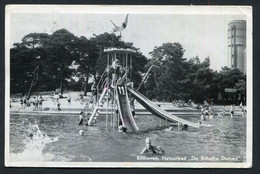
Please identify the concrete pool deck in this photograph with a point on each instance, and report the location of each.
(76, 106)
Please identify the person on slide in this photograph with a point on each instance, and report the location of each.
(149, 149)
(116, 68)
(122, 128)
(120, 86)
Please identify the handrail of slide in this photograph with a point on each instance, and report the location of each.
(129, 116)
(97, 106)
(145, 76)
(159, 112)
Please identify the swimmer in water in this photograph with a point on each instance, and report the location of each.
(81, 132)
(31, 135)
(170, 128)
(122, 128)
(149, 149)
(205, 125)
(81, 118)
(232, 111)
(184, 127)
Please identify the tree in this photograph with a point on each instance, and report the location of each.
(55, 59)
(170, 83)
(22, 66)
(85, 54)
(201, 78)
(241, 86)
(230, 78)
(25, 61)
(178, 78)
(60, 55)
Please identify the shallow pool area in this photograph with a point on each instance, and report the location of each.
(56, 138)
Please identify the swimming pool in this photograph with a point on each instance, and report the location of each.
(56, 138)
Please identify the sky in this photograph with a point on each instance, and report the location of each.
(200, 35)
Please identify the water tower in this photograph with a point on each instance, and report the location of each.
(237, 45)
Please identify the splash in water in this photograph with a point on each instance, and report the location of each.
(35, 141)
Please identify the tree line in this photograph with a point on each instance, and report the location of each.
(61, 60)
(176, 78)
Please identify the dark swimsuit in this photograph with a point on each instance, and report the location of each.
(151, 151)
(117, 70)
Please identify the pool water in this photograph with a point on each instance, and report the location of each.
(56, 138)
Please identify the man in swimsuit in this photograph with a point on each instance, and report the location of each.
(149, 149)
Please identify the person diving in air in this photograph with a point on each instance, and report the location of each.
(122, 27)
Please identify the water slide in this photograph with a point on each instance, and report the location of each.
(125, 111)
(157, 111)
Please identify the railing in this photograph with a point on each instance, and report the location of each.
(145, 76)
(100, 82)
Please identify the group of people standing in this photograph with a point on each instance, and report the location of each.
(23, 102)
(36, 102)
(207, 111)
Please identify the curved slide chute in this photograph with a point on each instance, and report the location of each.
(125, 112)
(157, 111)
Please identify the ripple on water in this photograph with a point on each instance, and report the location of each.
(226, 137)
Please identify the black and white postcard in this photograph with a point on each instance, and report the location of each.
(128, 86)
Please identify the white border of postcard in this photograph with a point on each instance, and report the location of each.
(114, 9)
